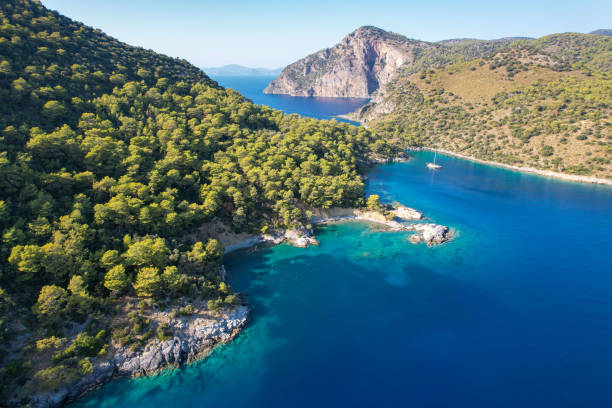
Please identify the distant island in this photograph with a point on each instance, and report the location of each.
(603, 31)
(240, 70)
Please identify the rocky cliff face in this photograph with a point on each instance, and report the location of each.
(358, 66)
(193, 336)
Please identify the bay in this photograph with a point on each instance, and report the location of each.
(515, 311)
(313, 107)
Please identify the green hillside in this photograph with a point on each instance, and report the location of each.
(110, 156)
(545, 103)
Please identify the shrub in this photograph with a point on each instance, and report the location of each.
(52, 377)
(147, 335)
(49, 342)
(232, 300)
(164, 332)
(547, 151)
(373, 202)
(136, 345)
(186, 311)
(224, 288)
(215, 305)
(85, 366)
(83, 345)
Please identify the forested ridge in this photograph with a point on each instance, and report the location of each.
(110, 155)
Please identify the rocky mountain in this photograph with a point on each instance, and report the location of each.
(360, 64)
(240, 70)
(368, 58)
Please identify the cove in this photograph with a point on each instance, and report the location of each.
(516, 311)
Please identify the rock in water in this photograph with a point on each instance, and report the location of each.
(407, 213)
(433, 234)
(301, 238)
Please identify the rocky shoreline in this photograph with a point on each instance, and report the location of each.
(193, 338)
(301, 237)
(428, 233)
(523, 169)
(384, 160)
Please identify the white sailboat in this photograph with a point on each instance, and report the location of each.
(433, 165)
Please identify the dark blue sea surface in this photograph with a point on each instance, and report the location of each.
(516, 311)
(314, 107)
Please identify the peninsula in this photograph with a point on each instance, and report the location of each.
(539, 105)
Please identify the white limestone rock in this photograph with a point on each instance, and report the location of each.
(193, 336)
(433, 234)
(406, 213)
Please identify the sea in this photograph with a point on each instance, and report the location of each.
(314, 107)
(515, 311)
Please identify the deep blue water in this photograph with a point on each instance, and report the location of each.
(515, 311)
(315, 107)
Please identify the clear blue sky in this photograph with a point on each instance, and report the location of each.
(275, 33)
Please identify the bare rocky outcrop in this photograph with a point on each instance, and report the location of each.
(394, 219)
(301, 237)
(381, 103)
(428, 233)
(374, 158)
(358, 66)
(193, 337)
(367, 59)
(406, 213)
(431, 234)
(232, 241)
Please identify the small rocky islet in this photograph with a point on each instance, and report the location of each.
(392, 217)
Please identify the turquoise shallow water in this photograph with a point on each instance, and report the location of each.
(516, 311)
